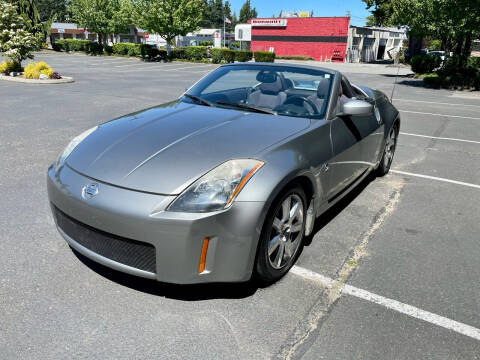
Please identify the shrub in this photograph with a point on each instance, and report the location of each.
(178, 53)
(70, 45)
(222, 55)
(229, 55)
(56, 46)
(243, 55)
(294, 57)
(94, 49)
(108, 49)
(216, 55)
(55, 75)
(10, 66)
(196, 52)
(33, 70)
(474, 61)
(127, 49)
(206, 43)
(149, 53)
(424, 64)
(433, 80)
(264, 56)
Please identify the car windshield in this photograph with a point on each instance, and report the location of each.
(277, 90)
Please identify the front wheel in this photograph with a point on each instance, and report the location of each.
(389, 152)
(282, 236)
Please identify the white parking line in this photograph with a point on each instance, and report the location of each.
(391, 304)
(432, 114)
(440, 138)
(435, 178)
(435, 103)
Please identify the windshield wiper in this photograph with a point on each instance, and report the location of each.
(246, 107)
(198, 99)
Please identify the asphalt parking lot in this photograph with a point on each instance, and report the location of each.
(392, 272)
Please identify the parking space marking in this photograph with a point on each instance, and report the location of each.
(435, 178)
(435, 103)
(440, 138)
(388, 303)
(432, 114)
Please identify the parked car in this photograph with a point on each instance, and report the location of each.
(438, 53)
(226, 182)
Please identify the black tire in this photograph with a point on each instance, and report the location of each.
(388, 152)
(264, 271)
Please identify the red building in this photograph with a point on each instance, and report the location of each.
(322, 38)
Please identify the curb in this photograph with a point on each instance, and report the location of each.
(63, 80)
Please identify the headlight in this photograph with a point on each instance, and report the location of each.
(217, 189)
(72, 145)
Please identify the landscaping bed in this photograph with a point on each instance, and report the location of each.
(146, 52)
(34, 73)
(456, 72)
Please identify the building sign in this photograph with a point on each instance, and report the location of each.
(304, 14)
(61, 31)
(269, 22)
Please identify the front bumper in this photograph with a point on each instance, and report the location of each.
(140, 218)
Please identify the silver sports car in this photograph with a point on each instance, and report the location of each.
(226, 182)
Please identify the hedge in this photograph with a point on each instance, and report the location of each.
(195, 52)
(94, 49)
(264, 56)
(70, 45)
(222, 55)
(243, 55)
(294, 57)
(127, 49)
(424, 64)
(178, 53)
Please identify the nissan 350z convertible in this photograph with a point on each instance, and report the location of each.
(225, 183)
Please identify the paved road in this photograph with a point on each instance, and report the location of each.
(406, 238)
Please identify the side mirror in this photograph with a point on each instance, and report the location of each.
(356, 107)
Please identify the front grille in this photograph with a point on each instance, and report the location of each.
(133, 253)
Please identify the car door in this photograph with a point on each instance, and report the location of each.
(372, 128)
(351, 153)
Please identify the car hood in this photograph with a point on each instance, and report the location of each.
(163, 149)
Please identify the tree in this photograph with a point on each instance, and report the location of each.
(52, 9)
(169, 18)
(382, 12)
(102, 16)
(17, 43)
(455, 22)
(247, 12)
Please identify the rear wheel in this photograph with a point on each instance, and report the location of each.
(282, 235)
(389, 152)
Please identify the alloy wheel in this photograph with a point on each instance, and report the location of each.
(390, 147)
(287, 232)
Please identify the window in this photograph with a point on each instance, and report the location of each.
(281, 90)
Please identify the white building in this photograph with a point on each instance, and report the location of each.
(195, 38)
(370, 43)
(243, 35)
(72, 31)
